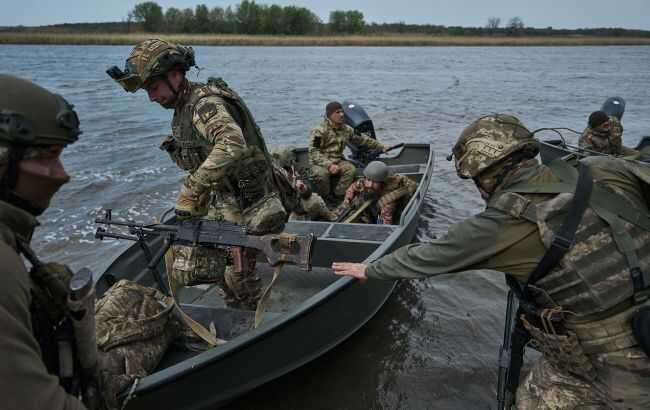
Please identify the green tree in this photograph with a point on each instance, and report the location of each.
(354, 21)
(299, 20)
(337, 21)
(201, 19)
(249, 17)
(150, 15)
(274, 22)
(187, 20)
(173, 20)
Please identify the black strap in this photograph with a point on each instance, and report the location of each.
(565, 236)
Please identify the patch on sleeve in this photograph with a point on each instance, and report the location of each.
(317, 141)
(207, 110)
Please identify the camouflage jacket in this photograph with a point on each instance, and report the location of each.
(207, 142)
(607, 141)
(493, 239)
(396, 192)
(26, 381)
(327, 142)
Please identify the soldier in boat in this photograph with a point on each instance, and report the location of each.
(216, 140)
(604, 134)
(311, 206)
(378, 197)
(332, 174)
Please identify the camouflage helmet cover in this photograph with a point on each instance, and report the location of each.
(489, 140)
(376, 171)
(32, 116)
(285, 156)
(149, 59)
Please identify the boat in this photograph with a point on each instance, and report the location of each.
(550, 150)
(308, 313)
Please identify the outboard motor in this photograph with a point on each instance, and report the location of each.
(357, 118)
(614, 107)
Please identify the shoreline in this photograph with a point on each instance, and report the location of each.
(388, 40)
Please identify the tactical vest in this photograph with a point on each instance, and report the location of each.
(604, 276)
(397, 187)
(251, 178)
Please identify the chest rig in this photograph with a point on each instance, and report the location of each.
(581, 299)
(249, 178)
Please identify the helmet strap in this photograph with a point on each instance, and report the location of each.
(10, 179)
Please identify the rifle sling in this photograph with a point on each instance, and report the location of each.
(565, 236)
(261, 305)
(196, 327)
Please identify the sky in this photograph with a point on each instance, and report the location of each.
(631, 14)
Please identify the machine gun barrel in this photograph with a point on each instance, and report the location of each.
(277, 248)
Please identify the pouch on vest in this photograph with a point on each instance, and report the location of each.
(135, 327)
(265, 216)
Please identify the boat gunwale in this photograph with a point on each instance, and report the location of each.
(204, 359)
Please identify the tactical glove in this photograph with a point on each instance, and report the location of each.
(187, 202)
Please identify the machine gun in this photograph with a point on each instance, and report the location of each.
(280, 248)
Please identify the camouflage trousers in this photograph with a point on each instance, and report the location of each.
(239, 289)
(313, 208)
(622, 382)
(323, 179)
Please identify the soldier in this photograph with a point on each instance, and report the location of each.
(215, 139)
(311, 206)
(387, 193)
(604, 134)
(35, 126)
(578, 310)
(326, 144)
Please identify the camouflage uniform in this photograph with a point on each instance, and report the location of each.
(394, 195)
(326, 145)
(216, 140)
(595, 363)
(606, 141)
(209, 144)
(309, 206)
(33, 304)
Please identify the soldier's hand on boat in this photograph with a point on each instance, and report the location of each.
(333, 169)
(356, 270)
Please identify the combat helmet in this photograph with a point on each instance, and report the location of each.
(32, 116)
(376, 171)
(150, 59)
(285, 156)
(488, 141)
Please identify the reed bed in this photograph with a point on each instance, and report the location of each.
(263, 40)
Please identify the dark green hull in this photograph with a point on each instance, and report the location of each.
(309, 313)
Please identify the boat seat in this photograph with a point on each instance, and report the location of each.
(341, 231)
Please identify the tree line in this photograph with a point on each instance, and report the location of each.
(249, 17)
(246, 17)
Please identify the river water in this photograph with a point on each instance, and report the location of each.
(434, 344)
